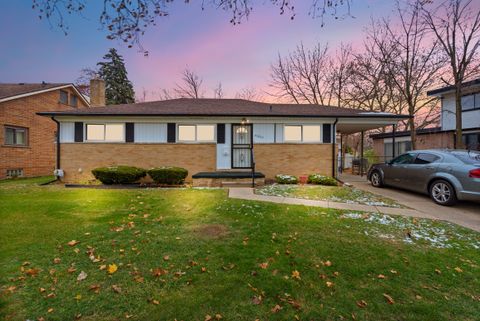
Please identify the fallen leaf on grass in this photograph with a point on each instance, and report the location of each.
(57, 260)
(276, 308)
(381, 276)
(329, 284)
(393, 272)
(218, 316)
(73, 242)
(204, 269)
(82, 276)
(32, 272)
(296, 275)
(166, 258)
(95, 288)
(112, 268)
(438, 271)
(418, 297)
(459, 270)
(50, 310)
(263, 265)
(156, 302)
(328, 263)
(388, 298)
(208, 317)
(116, 288)
(71, 269)
(78, 297)
(257, 300)
(11, 289)
(362, 303)
(159, 272)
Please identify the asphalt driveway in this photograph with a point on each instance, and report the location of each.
(466, 214)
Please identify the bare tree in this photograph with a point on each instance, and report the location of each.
(127, 20)
(412, 60)
(83, 81)
(249, 93)
(218, 91)
(341, 72)
(191, 86)
(302, 76)
(456, 26)
(370, 85)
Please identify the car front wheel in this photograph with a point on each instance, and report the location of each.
(443, 193)
(376, 179)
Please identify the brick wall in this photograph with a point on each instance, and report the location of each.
(426, 141)
(293, 159)
(78, 159)
(38, 158)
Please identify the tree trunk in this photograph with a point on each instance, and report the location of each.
(458, 117)
(413, 134)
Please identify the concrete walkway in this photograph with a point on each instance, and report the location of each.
(248, 194)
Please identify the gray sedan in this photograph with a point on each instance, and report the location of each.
(446, 175)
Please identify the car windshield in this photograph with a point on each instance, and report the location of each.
(470, 157)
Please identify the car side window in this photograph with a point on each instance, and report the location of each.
(404, 159)
(424, 158)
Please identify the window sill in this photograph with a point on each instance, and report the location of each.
(16, 146)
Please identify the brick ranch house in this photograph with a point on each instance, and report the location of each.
(211, 138)
(27, 145)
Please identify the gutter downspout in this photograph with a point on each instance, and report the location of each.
(334, 138)
(57, 165)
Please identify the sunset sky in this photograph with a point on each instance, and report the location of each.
(239, 56)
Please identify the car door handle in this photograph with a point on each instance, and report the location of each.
(429, 167)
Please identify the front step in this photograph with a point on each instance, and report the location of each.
(238, 184)
(227, 179)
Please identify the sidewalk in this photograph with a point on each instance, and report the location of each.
(248, 194)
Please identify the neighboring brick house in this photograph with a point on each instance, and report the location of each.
(443, 136)
(27, 145)
(211, 138)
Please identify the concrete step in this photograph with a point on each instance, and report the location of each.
(237, 184)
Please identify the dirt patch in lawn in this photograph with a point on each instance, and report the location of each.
(211, 231)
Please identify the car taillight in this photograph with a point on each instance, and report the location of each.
(475, 173)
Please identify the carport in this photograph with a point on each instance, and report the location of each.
(367, 121)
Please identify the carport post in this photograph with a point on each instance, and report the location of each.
(361, 154)
(341, 153)
(394, 131)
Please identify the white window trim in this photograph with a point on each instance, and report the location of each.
(196, 141)
(104, 133)
(320, 141)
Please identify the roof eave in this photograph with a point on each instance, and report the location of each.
(90, 114)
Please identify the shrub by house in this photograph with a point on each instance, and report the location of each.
(119, 174)
(168, 175)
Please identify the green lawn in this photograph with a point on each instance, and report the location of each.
(345, 194)
(185, 254)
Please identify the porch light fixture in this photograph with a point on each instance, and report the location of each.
(244, 121)
(241, 130)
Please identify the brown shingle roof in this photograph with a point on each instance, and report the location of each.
(11, 90)
(218, 107)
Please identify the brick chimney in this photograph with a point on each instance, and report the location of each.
(97, 92)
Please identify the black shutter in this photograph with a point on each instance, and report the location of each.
(327, 133)
(220, 133)
(171, 135)
(78, 132)
(129, 132)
